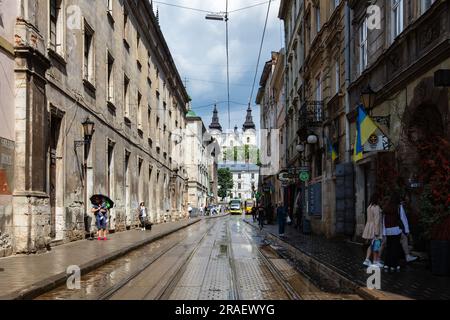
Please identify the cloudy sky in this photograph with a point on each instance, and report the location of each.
(198, 48)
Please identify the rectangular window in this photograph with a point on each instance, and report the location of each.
(149, 121)
(319, 88)
(426, 4)
(363, 46)
(318, 22)
(125, 29)
(110, 8)
(335, 3)
(397, 18)
(126, 96)
(88, 53)
(139, 112)
(337, 72)
(110, 78)
(56, 27)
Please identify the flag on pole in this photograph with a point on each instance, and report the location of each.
(332, 150)
(365, 127)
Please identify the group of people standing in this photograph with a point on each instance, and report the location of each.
(100, 211)
(387, 231)
(259, 214)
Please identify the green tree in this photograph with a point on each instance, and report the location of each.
(226, 184)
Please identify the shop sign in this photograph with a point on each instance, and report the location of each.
(377, 143)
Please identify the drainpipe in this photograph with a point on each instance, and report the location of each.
(347, 81)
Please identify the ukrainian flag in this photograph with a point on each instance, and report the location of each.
(365, 127)
(332, 151)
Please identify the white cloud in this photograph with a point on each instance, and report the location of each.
(198, 48)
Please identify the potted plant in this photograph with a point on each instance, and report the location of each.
(435, 202)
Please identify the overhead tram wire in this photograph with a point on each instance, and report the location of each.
(228, 65)
(209, 11)
(259, 54)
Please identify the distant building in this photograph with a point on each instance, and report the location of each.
(200, 165)
(239, 153)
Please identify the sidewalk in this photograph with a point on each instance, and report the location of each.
(344, 261)
(24, 277)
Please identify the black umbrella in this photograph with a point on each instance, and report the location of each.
(102, 198)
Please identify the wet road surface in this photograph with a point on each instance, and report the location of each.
(216, 259)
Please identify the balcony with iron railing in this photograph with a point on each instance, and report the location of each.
(311, 116)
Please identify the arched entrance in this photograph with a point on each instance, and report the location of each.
(424, 122)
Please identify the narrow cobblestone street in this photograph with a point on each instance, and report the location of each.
(216, 259)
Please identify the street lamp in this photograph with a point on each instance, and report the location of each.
(215, 16)
(223, 16)
(300, 148)
(312, 139)
(88, 130)
(368, 97)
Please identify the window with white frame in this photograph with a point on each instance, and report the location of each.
(88, 53)
(56, 26)
(335, 4)
(318, 109)
(126, 96)
(139, 112)
(318, 22)
(337, 75)
(426, 4)
(363, 45)
(397, 18)
(110, 78)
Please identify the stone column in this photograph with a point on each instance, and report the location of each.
(30, 199)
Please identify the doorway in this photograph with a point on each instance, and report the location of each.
(127, 190)
(111, 180)
(56, 178)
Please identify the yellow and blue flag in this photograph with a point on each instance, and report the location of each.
(332, 150)
(365, 127)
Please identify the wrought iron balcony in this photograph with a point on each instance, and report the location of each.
(311, 116)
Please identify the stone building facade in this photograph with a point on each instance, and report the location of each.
(200, 163)
(106, 62)
(399, 62)
(8, 12)
(238, 151)
(271, 99)
(394, 50)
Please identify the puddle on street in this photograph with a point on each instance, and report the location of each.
(96, 282)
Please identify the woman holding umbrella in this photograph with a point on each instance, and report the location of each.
(100, 206)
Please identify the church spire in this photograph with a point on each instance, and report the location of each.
(215, 124)
(249, 124)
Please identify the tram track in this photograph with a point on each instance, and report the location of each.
(163, 250)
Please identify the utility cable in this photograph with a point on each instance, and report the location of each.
(259, 54)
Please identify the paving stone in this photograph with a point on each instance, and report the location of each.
(415, 281)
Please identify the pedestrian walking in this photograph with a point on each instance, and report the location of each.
(142, 215)
(261, 216)
(405, 231)
(189, 210)
(254, 213)
(281, 219)
(392, 230)
(100, 211)
(298, 211)
(373, 232)
(270, 211)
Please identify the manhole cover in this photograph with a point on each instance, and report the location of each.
(223, 249)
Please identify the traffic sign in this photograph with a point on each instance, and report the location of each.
(304, 176)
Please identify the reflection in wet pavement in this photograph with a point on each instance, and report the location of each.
(231, 262)
(96, 282)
